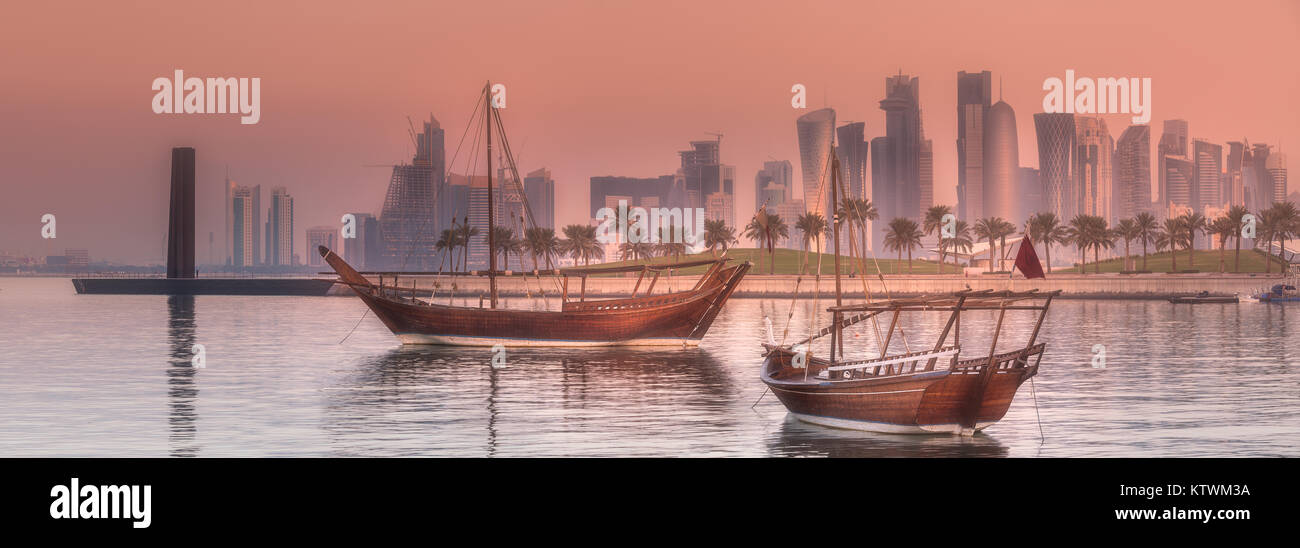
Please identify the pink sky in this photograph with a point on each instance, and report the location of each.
(594, 88)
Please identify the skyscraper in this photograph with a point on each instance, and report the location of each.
(365, 249)
(1001, 165)
(1056, 134)
(1180, 178)
(318, 236)
(1031, 192)
(279, 228)
(1173, 142)
(229, 234)
(409, 224)
(246, 226)
(1132, 188)
(973, 98)
(901, 196)
(1094, 149)
(816, 136)
(1255, 173)
(1276, 166)
(852, 148)
(773, 184)
(925, 176)
(540, 189)
(638, 191)
(1208, 158)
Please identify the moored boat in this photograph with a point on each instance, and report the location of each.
(934, 390)
(1279, 293)
(1204, 297)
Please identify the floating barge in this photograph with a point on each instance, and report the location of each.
(304, 287)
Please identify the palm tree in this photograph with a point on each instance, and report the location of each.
(467, 234)
(1102, 237)
(580, 243)
(1236, 214)
(1145, 225)
(669, 245)
(1128, 231)
(812, 225)
(933, 223)
(960, 241)
(1047, 228)
(1004, 229)
(1080, 235)
(633, 251)
(540, 241)
(776, 230)
(903, 233)
(1224, 228)
(1172, 236)
(987, 229)
(1277, 223)
(864, 212)
(718, 234)
(1192, 223)
(503, 242)
(447, 245)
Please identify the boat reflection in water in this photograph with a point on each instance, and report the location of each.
(436, 400)
(795, 438)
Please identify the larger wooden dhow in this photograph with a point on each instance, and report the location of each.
(680, 318)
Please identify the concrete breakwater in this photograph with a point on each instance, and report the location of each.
(1091, 286)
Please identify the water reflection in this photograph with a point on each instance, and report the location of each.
(182, 391)
(795, 438)
(544, 401)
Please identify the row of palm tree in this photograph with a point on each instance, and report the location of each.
(1277, 223)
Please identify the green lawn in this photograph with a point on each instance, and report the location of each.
(1252, 260)
(788, 261)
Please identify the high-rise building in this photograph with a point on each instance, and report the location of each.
(1276, 166)
(816, 132)
(1255, 173)
(973, 99)
(901, 196)
(180, 231)
(1056, 134)
(318, 236)
(1094, 149)
(279, 228)
(1180, 178)
(703, 173)
(925, 175)
(409, 224)
(774, 184)
(1001, 165)
(365, 249)
(1173, 142)
(1234, 187)
(246, 226)
(229, 234)
(1031, 192)
(852, 148)
(540, 189)
(1208, 158)
(637, 191)
(1132, 185)
(477, 217)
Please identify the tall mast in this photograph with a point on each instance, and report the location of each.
(835, 227)
(491, 238)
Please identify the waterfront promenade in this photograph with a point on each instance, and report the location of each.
(1090, 286)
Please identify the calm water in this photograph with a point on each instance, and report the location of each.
(111, 376)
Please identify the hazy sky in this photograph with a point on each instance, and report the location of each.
(594, 88)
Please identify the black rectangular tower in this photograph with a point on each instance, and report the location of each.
(180, 228)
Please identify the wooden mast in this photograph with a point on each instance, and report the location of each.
(491, 237)
(835, 235)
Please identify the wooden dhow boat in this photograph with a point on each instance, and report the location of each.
(674, 318)
(680, 318)
(935, 390)
(916, 391)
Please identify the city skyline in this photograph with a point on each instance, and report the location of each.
(317, 133)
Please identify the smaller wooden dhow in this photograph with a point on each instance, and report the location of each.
(935, 390)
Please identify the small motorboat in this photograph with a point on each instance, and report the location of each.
(1205, 297)
(1279, 293)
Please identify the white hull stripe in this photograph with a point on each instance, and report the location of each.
(846, 393)
(462, 340)
(886, 427)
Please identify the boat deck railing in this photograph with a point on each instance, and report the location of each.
(1006, 360)
(906, 363)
